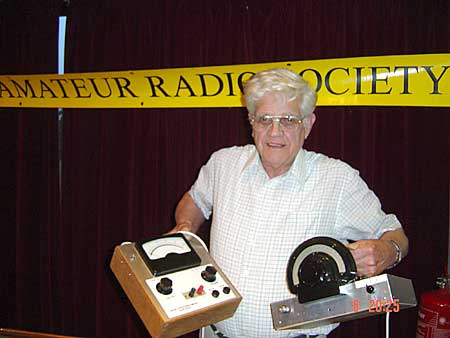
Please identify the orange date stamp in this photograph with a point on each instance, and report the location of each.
(379, 305)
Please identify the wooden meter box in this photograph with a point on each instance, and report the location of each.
(174, 284)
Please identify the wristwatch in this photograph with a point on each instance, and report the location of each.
(398, 251)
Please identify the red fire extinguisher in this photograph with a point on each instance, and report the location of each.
(434, 311)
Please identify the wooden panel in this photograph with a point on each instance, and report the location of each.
(131, 272)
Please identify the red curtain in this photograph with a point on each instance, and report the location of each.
(29, 177)
(123, 171)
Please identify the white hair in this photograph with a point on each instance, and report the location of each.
(283, 81)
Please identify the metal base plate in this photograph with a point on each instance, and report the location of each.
(363, 298)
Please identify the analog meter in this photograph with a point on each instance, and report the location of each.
(167, 254)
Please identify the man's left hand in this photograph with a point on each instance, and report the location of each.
(372, 256)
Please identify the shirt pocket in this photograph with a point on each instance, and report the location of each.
(305, 225)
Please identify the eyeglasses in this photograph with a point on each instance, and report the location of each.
(286, 121)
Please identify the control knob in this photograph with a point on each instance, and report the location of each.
(209, 274)
(164, 286)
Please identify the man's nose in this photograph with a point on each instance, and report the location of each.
(275, 128)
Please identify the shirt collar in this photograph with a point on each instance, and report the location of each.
(253, 162)
(298, 168)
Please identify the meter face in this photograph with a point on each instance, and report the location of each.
(161, 247)
(168, 254)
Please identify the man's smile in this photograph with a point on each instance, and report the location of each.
(275, 145)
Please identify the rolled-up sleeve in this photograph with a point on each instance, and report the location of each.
(360, 215)
(203, 188)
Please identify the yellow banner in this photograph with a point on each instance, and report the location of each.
(401, 80)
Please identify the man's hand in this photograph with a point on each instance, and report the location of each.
(372, 256)
(180, 227)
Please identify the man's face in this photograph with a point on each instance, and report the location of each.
(276, 144)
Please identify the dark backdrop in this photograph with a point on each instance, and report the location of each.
(123, 171)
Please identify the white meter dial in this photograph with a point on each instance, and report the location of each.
(167, 254)
(161, 247)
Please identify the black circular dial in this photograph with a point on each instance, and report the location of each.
(320, 259)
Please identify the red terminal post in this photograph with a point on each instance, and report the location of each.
(200, 290)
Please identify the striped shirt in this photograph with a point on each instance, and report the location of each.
(258, 222)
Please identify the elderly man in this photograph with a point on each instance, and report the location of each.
(268, 198)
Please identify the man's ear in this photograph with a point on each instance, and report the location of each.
(308, 124)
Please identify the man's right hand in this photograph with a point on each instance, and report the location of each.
(185, 226)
